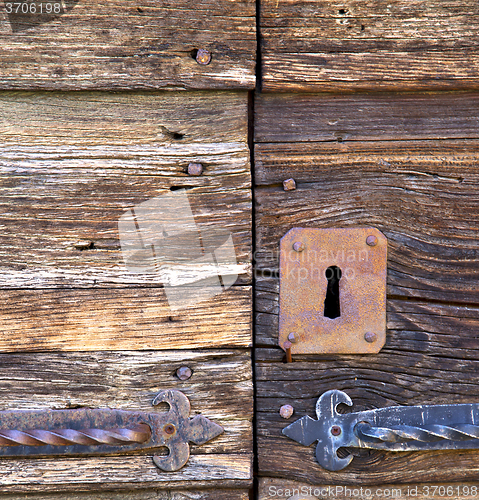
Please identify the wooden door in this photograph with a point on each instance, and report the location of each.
(95, 122)
(371, 108)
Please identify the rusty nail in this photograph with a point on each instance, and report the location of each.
(184, 373)
(287, 348)
(286, 411)
(203, 56)
(370, 337)
(289, 185)
(169, 429)
(292, 338)
(195, 169)
(371, 240)
(298, 246)
(335, 430)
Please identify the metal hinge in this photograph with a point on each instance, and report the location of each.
(397, 428)
(104, 431)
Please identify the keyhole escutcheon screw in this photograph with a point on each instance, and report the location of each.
(371, 240)
(370, 337)
(298, 246)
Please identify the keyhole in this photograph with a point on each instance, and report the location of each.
(331, 302)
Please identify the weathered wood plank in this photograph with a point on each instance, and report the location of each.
(333, 46)
(430, 357)
(422, 195)
(373, 161)
(365, 117)
(120, 472)
(129, 380)
(110, 319)
(72, 164)
(280, 488)
(415, 327)
(118, 45)
(207, 494)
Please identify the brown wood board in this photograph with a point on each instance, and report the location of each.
(109, 319)
(220, 389)
(366, 117)
(421, 193)
(416, 182)
(118, 45)
(71, 165)
(336, 46)
(206, 494)
(280, 488)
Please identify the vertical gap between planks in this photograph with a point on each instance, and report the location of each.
(254, 492)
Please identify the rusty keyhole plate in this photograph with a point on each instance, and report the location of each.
(333, 291)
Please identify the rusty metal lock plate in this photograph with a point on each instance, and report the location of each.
(332, 291)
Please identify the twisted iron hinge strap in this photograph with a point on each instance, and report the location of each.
(425, 434)
(397, 428)
(104, 431)
(67, 437)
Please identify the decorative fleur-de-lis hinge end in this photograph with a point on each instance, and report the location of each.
(103, 431)
(396, 428)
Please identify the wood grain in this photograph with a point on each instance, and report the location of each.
(422, 195)
(281, 488)
(110, 319)
(130, 380)
(421, 192)
(414, 327)
(430, 357)
(366, 117)
(71, 165)
(406, 164)
(114, 45)
(333, 46)
(149, 494)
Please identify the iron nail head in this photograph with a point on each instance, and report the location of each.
(195, 169)
(184, 373)
(292, 337)
(169, 429)
(203, 56)
(336, 430)
(370, 337)
(372, 240)
(286, 411)
(289, 185)
(298, 246)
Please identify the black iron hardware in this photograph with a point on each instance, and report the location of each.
(104, 431)
(397, 428)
